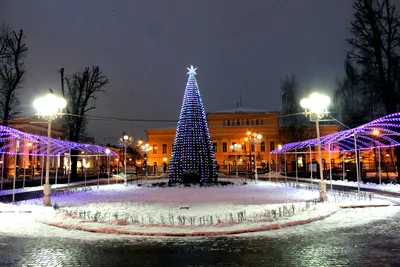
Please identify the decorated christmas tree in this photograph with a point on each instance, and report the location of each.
(192, 157)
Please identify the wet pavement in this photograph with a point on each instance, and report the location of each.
(352, 237)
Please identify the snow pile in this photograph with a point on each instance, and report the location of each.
(135, 210)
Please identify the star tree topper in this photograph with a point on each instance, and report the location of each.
(192, 71)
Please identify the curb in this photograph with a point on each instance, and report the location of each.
(189, 234)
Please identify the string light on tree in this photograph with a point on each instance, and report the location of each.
(192, 149)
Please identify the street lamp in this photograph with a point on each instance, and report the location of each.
(164, 165)
(125, 141)
(377, 133)
(317, 104)
(146, 148)
(254, 138)
(49, 107)
(235, 149)
(117, 160)
(108, 165)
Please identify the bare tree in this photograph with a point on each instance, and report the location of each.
(291, 118)
(13, 50)
(81, 94)
(374, 45)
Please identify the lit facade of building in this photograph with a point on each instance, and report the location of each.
(229, 127)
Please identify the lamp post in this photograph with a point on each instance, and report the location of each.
(377, 133)
(108, 165)
(254, 138)
(49, 107)
(164, 165)
(248, 145)
(146, 148)
(15, 168)
(28, 146)
(116, 178)
(235, 148)
(125, 141)
(317, 104)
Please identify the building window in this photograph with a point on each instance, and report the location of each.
(261, 122)
(237, 122)
(154, 149)
(271, 146)
(223, 122)
(262, 148)
(164, 148)
(215, 146)
(247, 122)
(252, 122)
(233, 122)
(229, 122)
(224, 147)
(242, 121)
(256, 121)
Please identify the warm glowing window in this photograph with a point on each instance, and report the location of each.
(262, 147)
(154, 149)
(215, 146)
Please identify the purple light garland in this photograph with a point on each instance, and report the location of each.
(388, 127)
(10, 137)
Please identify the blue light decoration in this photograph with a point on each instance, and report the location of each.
(192, 149)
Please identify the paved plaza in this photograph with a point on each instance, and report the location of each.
(339, 240)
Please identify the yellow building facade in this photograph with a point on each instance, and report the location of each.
(229, 127)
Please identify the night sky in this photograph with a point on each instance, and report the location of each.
(144, 47)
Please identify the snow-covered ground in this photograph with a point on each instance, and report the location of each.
(185, 210)
(383, 187)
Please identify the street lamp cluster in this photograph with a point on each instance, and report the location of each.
(146, 148)
(317, 105)
(253, 139)
(235, 148)
(125, 141)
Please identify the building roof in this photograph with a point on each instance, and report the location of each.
(242, 110)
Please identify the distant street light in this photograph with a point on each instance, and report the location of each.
(125, 141)
(377, 133)
(254, 138)
(49, 107)
(317, 104)
(146, 148)
(235, 148)
(108, 165)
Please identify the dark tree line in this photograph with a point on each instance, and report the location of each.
(371, 86)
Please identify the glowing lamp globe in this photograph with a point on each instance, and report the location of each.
(315, 103)
(49, 105)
